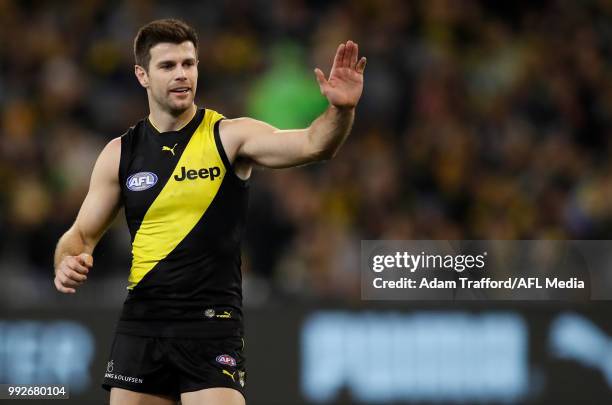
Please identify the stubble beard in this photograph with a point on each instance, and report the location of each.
(175, 109)
(165, 103)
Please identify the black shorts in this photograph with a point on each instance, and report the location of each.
(171, 366)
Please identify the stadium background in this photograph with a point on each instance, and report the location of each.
(479, 120)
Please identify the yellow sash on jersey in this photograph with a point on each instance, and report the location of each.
(180, 204)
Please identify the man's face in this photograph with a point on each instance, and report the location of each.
(172, 76)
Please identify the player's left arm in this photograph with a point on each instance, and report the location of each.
(265, 145)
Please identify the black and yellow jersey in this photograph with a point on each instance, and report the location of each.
(186, 212)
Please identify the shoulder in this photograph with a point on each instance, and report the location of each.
(212, 117)
(231, 125)
(130, 139)
(242, 126)
(109, 158)
(236, 132)
(113, 147)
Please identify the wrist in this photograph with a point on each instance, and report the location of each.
(342, 109)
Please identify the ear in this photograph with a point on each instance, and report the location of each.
(141, 75)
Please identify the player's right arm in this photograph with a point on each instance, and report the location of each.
(73, 252)
(248, 141)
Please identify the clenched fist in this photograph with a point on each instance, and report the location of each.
(72, 272)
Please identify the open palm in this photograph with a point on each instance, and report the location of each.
(345, 84)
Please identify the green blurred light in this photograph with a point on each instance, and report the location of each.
(288, 95)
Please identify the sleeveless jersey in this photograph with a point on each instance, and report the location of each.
(186, 212)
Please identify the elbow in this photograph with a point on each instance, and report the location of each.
(329, 154)
(324, 154)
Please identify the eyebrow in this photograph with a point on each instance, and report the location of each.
(172, 62)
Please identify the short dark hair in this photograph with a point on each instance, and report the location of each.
(166, 30)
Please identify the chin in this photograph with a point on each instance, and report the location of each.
(179, 108)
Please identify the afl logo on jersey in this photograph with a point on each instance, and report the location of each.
(141, 181)
(226, 359)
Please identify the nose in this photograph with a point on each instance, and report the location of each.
(180, 74)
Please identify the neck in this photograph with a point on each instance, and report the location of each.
(164, 121)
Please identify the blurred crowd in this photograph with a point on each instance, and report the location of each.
(479, 120)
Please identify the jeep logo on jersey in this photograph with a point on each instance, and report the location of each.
(226, 359)
(141, 181)
(192, 174)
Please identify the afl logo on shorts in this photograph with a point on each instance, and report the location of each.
(226, 359)
(141, 181)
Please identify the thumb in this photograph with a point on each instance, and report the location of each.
(320, 78)
(86, 259)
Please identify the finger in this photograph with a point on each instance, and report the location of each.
(66, 281)
(320, 79)
(85, 259)
(75, 264)
(346, 59)
(69, 275)
(354, 55)
(77, 267)
(361, 65)
(339, 56)
(73, 275)
(63, 289)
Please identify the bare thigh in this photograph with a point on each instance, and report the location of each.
(119, 396)
(213, 396)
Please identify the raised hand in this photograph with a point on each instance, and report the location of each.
(345, 84)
